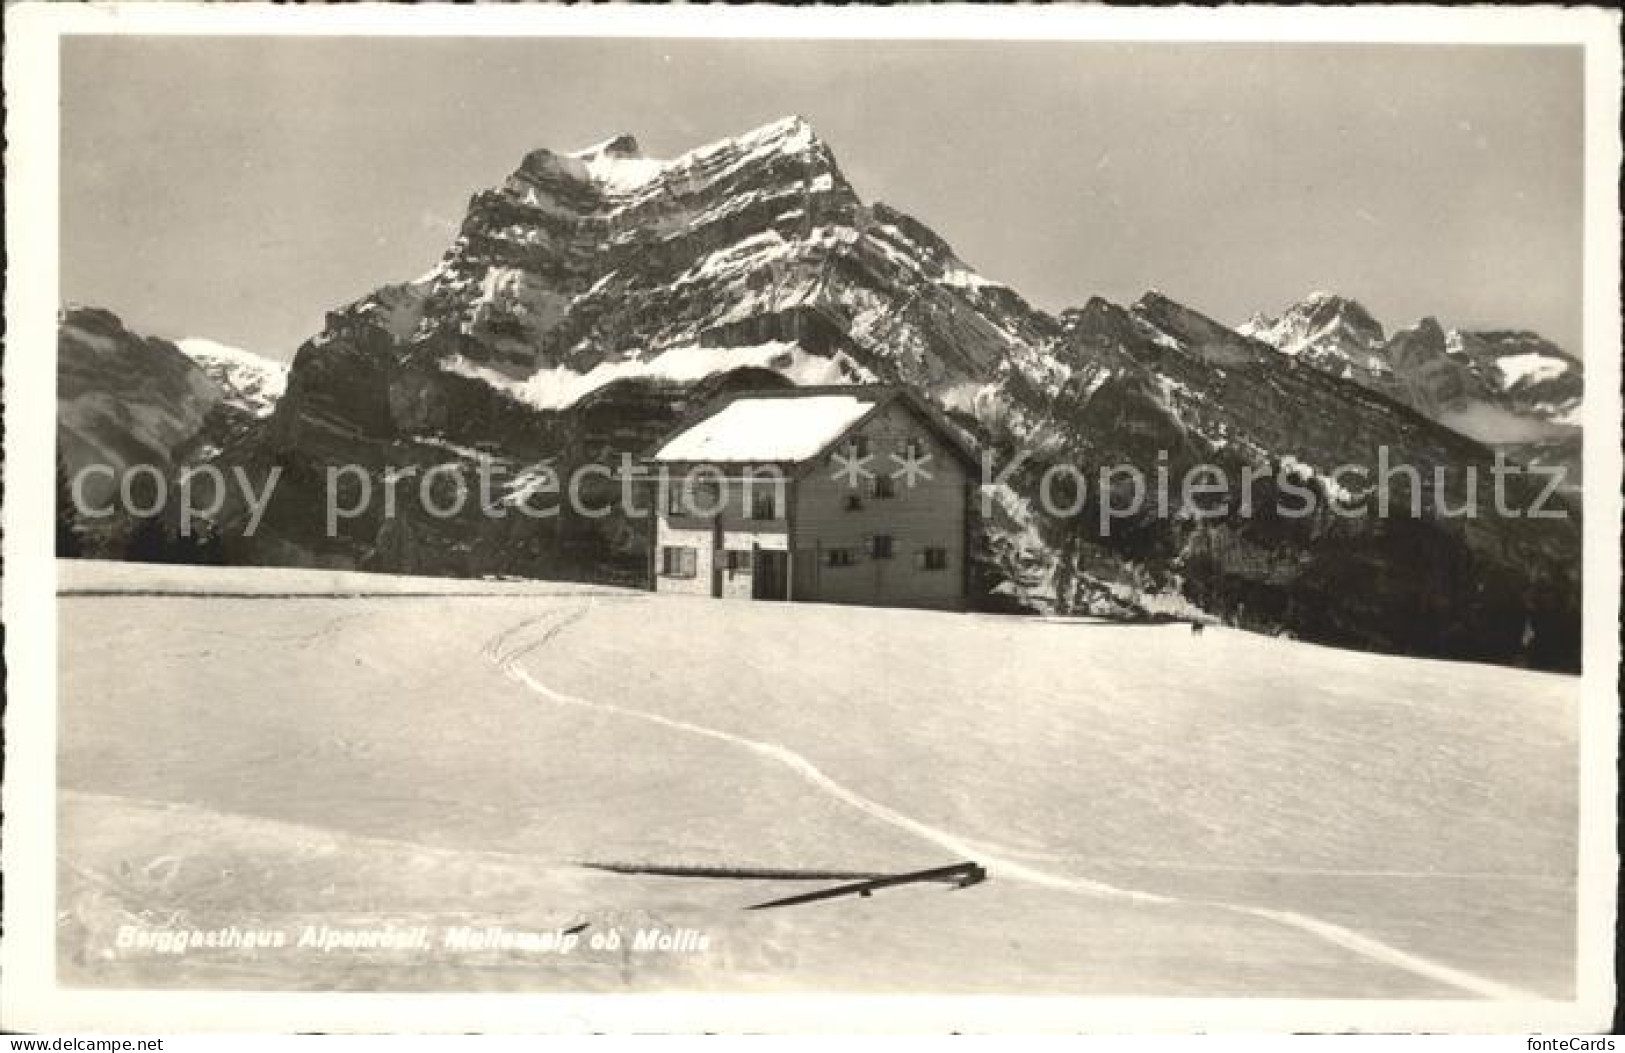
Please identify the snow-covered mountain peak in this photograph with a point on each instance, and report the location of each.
(787, 136)
(1323, 298)
(248, 381)
(1332, 307)
(603, 256)
(620, 173)
(793, 131)
(1323, 320)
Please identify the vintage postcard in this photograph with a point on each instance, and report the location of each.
(768, 519)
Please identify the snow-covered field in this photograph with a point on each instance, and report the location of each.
(1160, 814)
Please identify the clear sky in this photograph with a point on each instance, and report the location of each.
(237, 188)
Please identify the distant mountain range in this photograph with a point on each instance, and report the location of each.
(1511, 389)
(1443, 374)
(594, 297)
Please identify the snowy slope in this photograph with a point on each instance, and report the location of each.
(1140, 817)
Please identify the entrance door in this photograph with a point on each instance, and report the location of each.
(770, 577)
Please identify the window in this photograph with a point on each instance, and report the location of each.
(880, 546)
(839, 557)
(859, 445)
(882, 486)
(678, 561)
(854, 503)
(764, 500)
(915, 449)
(698, 492)
(692, 497)
(931, 559)
(739, 561)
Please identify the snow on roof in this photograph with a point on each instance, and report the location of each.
(768, 429)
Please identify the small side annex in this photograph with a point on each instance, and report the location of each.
(852, 494)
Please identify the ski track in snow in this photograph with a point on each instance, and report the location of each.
(510, 647)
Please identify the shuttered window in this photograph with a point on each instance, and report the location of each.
(678, 561)
(931, 559)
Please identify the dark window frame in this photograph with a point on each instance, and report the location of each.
(760, 494)
(679, 561)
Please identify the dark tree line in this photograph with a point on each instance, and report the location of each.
(147, 539)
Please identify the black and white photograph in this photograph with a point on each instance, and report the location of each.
(593, 513)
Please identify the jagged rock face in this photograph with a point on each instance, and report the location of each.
(593, 298)
(604, 256)
(1425, 377)
(124, 400)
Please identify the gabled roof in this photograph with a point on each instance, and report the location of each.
(792, 425)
